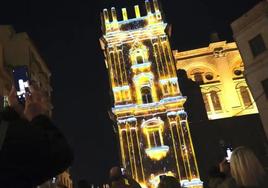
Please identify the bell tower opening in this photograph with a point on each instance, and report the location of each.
(146, 95)
(139, 59)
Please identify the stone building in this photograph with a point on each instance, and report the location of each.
(219, 70)
(17, 49)
(250, 32)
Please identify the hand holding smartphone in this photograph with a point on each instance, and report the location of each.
(21, 82)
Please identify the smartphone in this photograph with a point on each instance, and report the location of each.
(123, 171)
(228, 154)
(21, 82)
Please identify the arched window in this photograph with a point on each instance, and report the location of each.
(146, 95)
(155, 140)
(245, 96)
(165, 88)
(205, 99)
(139, 59)
(153, 131)
(215, 100)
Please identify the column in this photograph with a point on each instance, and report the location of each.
(187, 148)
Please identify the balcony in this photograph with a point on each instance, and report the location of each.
(141, 67)
(157, 153)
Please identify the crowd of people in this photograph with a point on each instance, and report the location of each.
(33, 150)
(243, 170)
(122, 180)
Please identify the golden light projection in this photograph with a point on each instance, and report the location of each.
(153, 130)
(155, 179)
(152, 125)
(219, 70)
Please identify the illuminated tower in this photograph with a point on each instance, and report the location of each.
(152, 124)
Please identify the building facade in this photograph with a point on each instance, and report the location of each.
(152, 125)
(251, 34)
(17, 49)
(219, 70)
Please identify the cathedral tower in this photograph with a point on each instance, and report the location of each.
(152, 125)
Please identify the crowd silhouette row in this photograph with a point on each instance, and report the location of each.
(33, 150)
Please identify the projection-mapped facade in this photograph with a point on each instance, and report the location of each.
(152, 125)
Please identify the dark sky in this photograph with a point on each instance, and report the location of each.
(66, 34)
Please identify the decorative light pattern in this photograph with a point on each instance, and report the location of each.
(152, 125)
(157, 153)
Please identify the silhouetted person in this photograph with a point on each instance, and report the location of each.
(118, 180)
(247, 170)
(244, 171)
(194, 104)
(168, 182)
(216, 177)
(33, 149)
(83, 184)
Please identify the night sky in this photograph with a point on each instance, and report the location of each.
(66, 34)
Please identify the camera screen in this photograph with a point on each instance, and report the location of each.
(229, 154)
(21, 81)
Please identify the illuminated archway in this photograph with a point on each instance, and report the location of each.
(138, 53)
(146, 94)
(145, 88)
(153, 131)
(215, 100)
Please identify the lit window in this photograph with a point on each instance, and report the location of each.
(257, 45)
(205, 99)
(218, 52)
(117, 96)
(139, 59)
(265, 87)
(153, 129)
(127, 97)
(215, 100)
(245, 96)
(175, 87)
(154, 137)
(146, 95)
(165, 87)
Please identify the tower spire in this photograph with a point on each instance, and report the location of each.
(137, 11)
(148, 7)
(114, 16)
(156, 5)
(124, 13)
